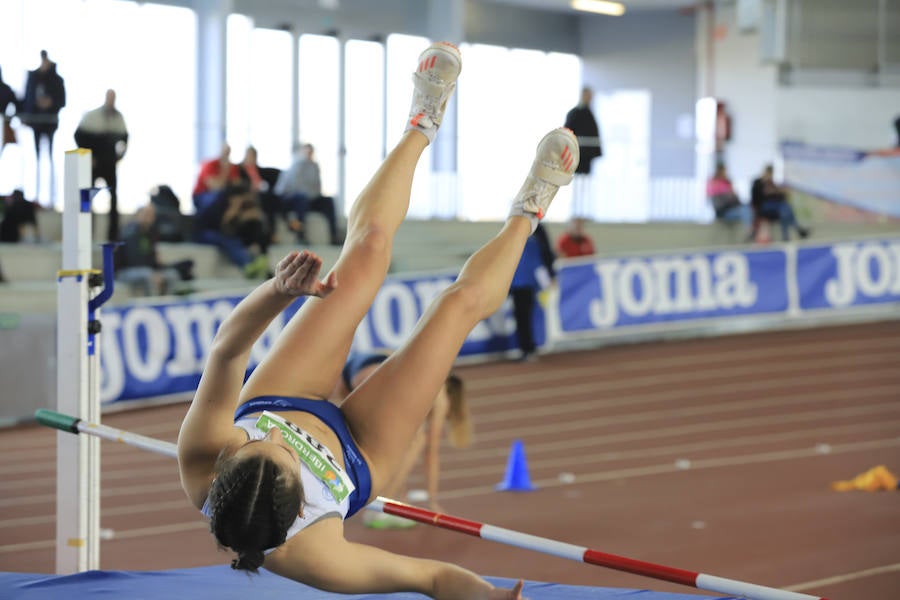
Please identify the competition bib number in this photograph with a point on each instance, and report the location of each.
(313, 454)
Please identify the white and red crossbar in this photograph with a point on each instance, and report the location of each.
(509, 537)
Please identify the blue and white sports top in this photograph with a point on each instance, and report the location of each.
(318, 502)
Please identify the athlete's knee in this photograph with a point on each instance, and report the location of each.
(466, 297)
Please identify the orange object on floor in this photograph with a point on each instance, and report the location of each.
(875, 479)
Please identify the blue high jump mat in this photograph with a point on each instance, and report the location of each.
(223, 583)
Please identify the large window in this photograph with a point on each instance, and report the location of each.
(258, 99)
(143, 51)
(237, 88)
(507, 101)
(319, 125)
(621, 179)
(364, 115)
(402, 56)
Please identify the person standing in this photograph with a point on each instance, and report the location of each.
(103, 132)
(537, 256)
(45, 96)
(583, 124)
(450, 409)
(7, 98)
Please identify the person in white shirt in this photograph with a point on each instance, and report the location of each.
(103, 132)
(300, 190)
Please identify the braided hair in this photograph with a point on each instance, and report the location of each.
(253, 502)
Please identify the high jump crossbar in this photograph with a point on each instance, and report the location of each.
(484, 531)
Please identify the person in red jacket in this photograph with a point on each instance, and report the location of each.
(575, 241)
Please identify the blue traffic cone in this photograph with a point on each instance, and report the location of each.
(516, 479)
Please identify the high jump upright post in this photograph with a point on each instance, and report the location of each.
(77, 377)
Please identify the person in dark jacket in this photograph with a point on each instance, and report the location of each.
(7, 98)
(18, 219)
(583, 124)
(525, 286)
(769, 201)
(45, 96)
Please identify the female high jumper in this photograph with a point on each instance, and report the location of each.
(278, 475)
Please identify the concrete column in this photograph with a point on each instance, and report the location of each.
(295, 90)
(212, 19)
(446, 22)
(341, 200)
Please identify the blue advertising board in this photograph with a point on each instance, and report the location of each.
(155, 349)
(848, 274)
(624, 292)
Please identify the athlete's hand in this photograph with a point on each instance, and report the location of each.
(513, 594)
(297, 275)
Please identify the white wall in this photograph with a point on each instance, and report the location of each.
(856, 117)
(748, 88)
(652, 51)
(765, 112)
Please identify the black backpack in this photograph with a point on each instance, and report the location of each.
(171, 225)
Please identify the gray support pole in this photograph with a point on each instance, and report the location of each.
(341, 199)
(446, 22)
(212, 21)
(295, 90)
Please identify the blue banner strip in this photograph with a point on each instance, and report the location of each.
(158, 349)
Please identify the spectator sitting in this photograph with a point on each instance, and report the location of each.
(137, 264)
(171, 225)
(232, 221)
(725, 202)
(575, 241)
(19, 222)
(300, 188)
(262, 182)
(770, 202)
(215, 175)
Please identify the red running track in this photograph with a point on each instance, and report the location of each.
(712, 455)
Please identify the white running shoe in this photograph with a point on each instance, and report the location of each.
(554, 165)
(434, 82)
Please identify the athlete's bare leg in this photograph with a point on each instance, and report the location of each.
(386, 411)
(308, 356)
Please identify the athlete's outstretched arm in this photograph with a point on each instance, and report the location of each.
(208, 425)
(350, 568)
(296, 275)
